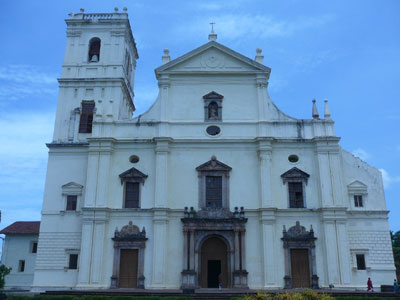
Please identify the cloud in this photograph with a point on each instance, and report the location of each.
(388, 180)
(235, 26)
(145, 96)
(361, 153)
(20, 81)
(23, 160)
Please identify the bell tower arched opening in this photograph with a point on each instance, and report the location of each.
(214, 263)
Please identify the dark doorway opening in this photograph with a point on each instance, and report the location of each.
(214, 261)
(214, 269)
(300, 268)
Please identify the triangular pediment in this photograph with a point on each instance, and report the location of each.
(212, 57)
(213, 95)
(133, 174)
(214, 165)
(72, 185)
(295, 174)
(358, 184)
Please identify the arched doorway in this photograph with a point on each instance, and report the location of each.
(214, 261)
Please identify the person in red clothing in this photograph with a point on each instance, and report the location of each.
(369, 285)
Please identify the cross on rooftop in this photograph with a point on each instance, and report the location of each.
(212, 27)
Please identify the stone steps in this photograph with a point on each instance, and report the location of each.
(212, 294)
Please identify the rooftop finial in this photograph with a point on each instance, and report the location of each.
(259, 57)
(315, 113)
(116, 9)
(166, 58)
(125, 9)
(82, 10)
(327, 111)
(212, 36)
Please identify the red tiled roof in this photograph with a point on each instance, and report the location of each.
(22, 228)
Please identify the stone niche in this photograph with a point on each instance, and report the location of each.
(223, 226)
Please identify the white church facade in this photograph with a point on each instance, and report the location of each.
(212, 184)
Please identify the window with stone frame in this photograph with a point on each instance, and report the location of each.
(132, 181)
(71, 195)
(213, 184)
(296, 180)
(360, 259)
(73, 261)
(296, 199)
(214, 191)
(358, 194)
(131, 195)
(72, 201)
(358, 201)
(213, 106)
(86, 118)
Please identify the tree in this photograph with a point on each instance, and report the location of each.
(4, 271)
(396, 250)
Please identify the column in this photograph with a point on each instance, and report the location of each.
(160, 224)
(237, 252)
(243, 249)
(264, 154)
(161, 188)
(186, 265)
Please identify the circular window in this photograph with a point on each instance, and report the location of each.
(134, 159)
(213, 130)
(293, 158)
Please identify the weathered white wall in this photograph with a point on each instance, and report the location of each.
(16, 248)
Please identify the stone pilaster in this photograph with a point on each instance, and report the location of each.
(160, 246)
(161, 187)
(264, 155)
(268, 254)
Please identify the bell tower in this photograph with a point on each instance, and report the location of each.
(96, 84)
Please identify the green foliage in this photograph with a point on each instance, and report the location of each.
(363, 298)
(303, 295)
(95, 297)
(4, 271)
(396, 249)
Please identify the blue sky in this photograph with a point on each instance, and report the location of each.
(344, 51)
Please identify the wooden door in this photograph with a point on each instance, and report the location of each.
(300, 268)
(128, 268)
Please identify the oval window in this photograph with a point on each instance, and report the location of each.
(293, 158)
(134, 159)
(213, 130)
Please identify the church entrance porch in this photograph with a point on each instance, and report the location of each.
(214, 263)
(214, 245)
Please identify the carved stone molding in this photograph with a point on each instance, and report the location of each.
(129, 237)
(298, 237)
(295, 174)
